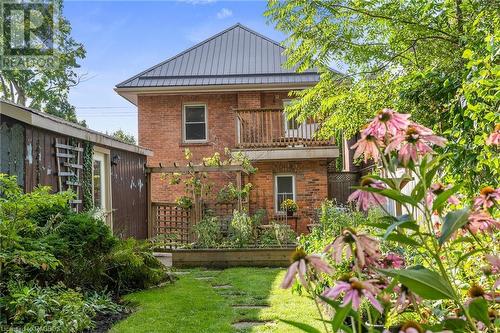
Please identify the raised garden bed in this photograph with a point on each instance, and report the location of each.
(223, 258)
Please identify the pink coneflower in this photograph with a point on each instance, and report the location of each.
(301, 262)
(494, 138)
(366, 248)
(495, 267)
(413, 143)
(481, 221)
(368, 146)
(354, 291)
(367, 199)
(488, 196)
(387, 121)
(435, 190)
(392, 260)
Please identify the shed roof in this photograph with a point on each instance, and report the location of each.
(235, 56)
(58, 125)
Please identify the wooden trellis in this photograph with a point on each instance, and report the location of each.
(171, 224)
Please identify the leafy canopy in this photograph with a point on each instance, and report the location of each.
(435, 59)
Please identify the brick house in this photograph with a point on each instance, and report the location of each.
(230, 91)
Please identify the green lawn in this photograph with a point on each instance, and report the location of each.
(192, 305)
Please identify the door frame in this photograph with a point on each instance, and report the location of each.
(103, 155)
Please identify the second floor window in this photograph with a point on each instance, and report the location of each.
(195, 123)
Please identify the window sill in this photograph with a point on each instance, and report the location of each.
(194, 144)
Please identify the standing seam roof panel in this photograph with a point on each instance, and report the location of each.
(234, 55)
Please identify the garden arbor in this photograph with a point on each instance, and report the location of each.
(171, 223)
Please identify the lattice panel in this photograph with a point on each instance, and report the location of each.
(171, 224)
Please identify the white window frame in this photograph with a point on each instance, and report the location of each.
(184, 123)
(285, 103)
(103, 155)
(294, 194)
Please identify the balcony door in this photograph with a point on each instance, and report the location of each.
(295, 129)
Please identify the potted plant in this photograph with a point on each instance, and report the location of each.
(289, 206)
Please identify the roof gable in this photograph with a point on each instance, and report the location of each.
(237, 55)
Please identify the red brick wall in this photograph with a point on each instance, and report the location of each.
(160, 129)
(310, 185)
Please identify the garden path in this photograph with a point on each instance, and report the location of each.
(208, 301)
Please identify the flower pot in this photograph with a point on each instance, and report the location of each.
(289, 213)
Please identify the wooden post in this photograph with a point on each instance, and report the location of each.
(238, 184)
(150, 205)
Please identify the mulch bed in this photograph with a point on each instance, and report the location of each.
(103, 322)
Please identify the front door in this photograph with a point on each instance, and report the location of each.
(101, 185)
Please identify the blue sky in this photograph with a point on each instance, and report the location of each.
(123, 38)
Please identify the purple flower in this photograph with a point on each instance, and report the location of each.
(301, 262)
(488, 196)
(393, 260)
(435, 190)
(354, 291)
(367, 199)
(368, 146)
(387, 121)
(413, 143)
(481, 221)
(366, 248)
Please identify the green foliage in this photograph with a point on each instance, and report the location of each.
(437, 60)
(277, 235)
(124, 137)
(242, 229)
(88, 198)
(208, 232)
(184, 202)
(333, 220)
(131, 265)
(45, 247)
(51, 309)
(230, 193)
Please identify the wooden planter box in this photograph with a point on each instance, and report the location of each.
(223, 258)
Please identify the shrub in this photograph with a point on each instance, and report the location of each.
(208, 232)
(242, 229)
(131, 265)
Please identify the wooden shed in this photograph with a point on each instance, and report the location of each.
(106, 174)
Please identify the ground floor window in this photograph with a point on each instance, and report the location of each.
(284, 189)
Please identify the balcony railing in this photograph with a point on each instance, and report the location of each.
(270, 128)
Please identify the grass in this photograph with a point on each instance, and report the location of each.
(191, 305)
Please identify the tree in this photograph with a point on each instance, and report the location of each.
(46, 88)
(123, 136)
(407, 55)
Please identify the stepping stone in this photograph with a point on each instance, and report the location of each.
(204, 278)
(222, 286)
(248, 324)
(250, 306)
(181, 273)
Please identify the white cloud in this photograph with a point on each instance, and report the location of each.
(224, 12)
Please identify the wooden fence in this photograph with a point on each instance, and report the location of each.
(340, 185)
(170, 224)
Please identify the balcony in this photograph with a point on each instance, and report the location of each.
(263, 134)
(257, 128)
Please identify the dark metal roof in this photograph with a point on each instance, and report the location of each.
(237, 55)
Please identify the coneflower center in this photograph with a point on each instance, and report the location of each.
(366, 181)
(487, 190)
(298, 254)
(357, 285)
(412, 134)
(411, 324)
(348, 236)
(476, 291)
(384, 116)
